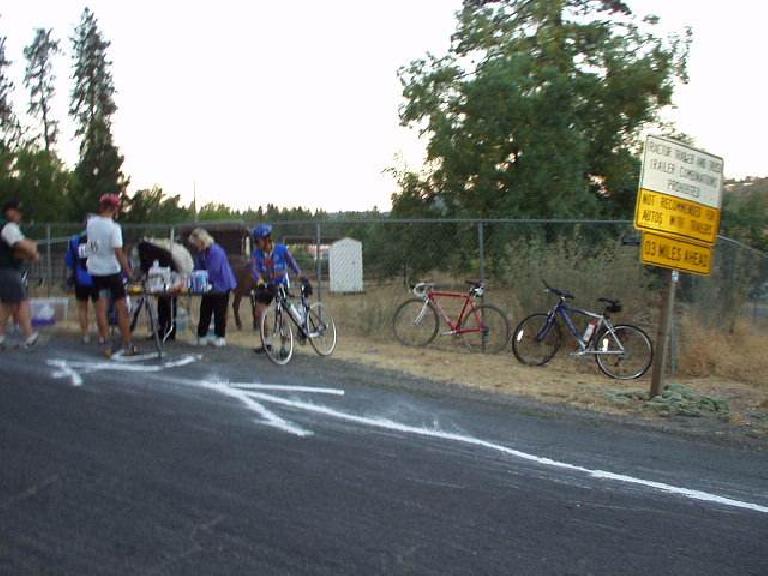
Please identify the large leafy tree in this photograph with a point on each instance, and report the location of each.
(42, 182)
(537, 107)
(39, 79)
(92, 106)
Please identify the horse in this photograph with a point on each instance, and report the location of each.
(241, 266)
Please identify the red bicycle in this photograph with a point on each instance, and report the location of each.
(481, 327)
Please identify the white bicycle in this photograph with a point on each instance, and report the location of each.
(313, 323)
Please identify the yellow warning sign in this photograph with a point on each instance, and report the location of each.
(676, 217)
(677, 254)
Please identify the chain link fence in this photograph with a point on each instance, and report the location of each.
(591, 258)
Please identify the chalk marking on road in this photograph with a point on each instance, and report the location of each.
(249, 400)
(74, 369)
(120, 356)
(269, 417)
(65, 371)
(432, 433)
(278, 388)
(33, 490)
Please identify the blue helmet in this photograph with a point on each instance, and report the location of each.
(262, 231)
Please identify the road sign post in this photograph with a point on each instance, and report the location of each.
(678, 211)
(662, 338)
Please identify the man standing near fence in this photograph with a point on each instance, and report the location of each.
(106, 264)
(14, 249)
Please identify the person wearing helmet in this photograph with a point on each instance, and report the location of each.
(269, 264)
(106, 263)
(14, 249)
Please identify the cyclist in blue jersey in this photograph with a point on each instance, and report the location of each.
(269, 265)
(80, 279)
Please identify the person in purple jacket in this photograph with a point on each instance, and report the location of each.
(212, 258)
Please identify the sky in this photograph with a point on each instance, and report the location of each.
(250, 103)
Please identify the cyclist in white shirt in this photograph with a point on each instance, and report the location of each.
(106, 264)
(14, 249)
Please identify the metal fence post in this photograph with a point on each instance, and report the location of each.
(481, 249)
(318, 263)
(48, 259)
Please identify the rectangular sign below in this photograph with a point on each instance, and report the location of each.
(682, 171)
(676, 254)
(678, 217)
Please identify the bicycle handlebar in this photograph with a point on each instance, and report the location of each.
(420, 289)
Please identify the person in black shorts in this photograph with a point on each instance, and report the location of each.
(81, 280)
(108, 265)
(14, 250)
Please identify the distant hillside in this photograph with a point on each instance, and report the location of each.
(750, 184)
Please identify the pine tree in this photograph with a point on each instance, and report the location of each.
(7, 117)
(39, 79)
(93, 91)
(92, 106)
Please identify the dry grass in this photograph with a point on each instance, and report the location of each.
(741, 355)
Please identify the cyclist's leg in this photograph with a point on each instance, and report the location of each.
(262, 297)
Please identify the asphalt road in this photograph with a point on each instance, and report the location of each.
(219, 465)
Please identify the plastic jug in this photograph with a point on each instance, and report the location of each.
(182, 319)
(158, 278)
(198, 281)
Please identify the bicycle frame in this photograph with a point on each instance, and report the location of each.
(564, 311)
(283, 299)
(469, 306)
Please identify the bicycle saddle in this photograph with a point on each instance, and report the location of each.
(613, 306)
(558, 292)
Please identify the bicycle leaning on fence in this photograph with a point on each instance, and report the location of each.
(482, 327)
(313, 323)
(622, 351)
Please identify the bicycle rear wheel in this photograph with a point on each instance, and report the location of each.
(322, 329)
(637, 355)
(536, 340)
(276, 334)
(415, 322)
(489, 329)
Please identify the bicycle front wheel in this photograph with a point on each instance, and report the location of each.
(625, 354)
(536, 339)
(485, 329)
(276, 335)
(415, 322)
(322, 329)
